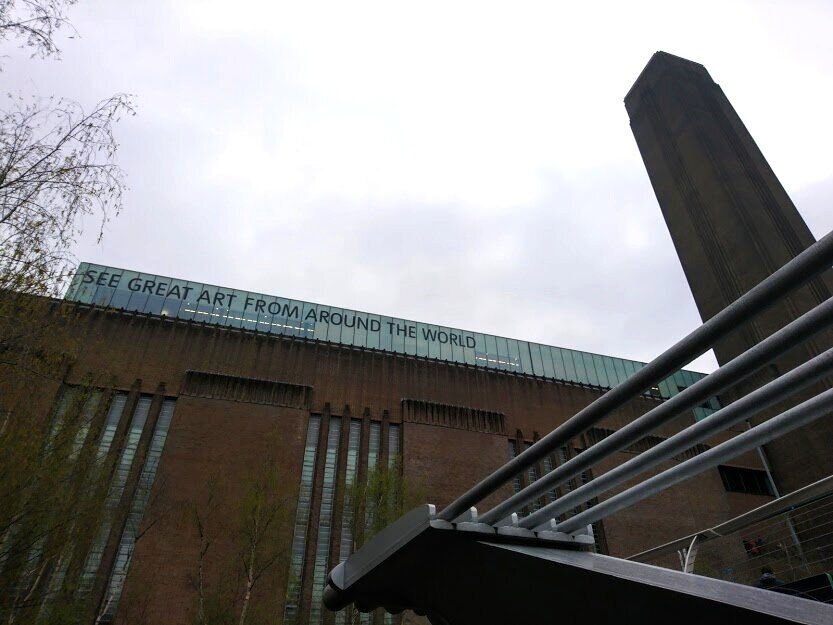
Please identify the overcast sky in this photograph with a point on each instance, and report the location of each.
(465, 164)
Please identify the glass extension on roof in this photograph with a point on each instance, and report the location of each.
(130, 290)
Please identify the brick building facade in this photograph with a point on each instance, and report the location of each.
(190, 411)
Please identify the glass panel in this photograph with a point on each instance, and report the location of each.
(325, 517)
(385, 333)
(398, 330)
(360, 333)
(122, 295)
(690, 378)
(137, 512)
(422, 339)
(537, 362)
(348, 327)
(299, 538)
(516, 482)
(373, 449)
(630, 367)
(204, 305)
(393, 443)
(103, 295)
(373, 446)
(188, 308)
(111, 424)
(547, 462)
(526, 357)
(471, 349)
(309, 319)
(334, 321)
(174, 294)
(590, 369)
(354, 437)
(154, 304)
(569, 366)
(87, 414)
(610, 370)
(532, 476)
(114, 494)
(578, 362)
(599, 366)
(374, 336)
(444, 337)
(79, 287)
(514, 355)
(261, 307)
(458, 346)
(410, 338)
(294, 319)
(137, 301)
(664, 391)
(431, 343)
(502, 354)
(546, 358)
(621, 373)
(491, 352)
(558, 364)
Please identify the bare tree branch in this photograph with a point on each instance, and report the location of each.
(34, 24)
(58, 167)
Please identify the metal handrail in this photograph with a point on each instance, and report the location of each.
(808, 263)
(768, 395)
(802, 496)
(725, 377)
(806, 412)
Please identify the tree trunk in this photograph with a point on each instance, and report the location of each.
(249, 582)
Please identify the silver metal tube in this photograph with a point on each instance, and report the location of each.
(726, 376)
(811, 261)
(806, 412)
(760, 399)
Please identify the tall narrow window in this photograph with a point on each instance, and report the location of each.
(594, 528)
(72, 419)
(114, 494)
(373, 446)
(393, 460)
(516, 481)
(547, 462)
(137, 512)
(354, 438)
(108, 433)
(68, 433)
(87, 414)
(325, 518)
(562, 458)
(58, 418)
(393, 443)
(299, 538)
(532, 476)
(111, 424)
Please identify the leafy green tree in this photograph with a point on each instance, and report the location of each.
(377, 502)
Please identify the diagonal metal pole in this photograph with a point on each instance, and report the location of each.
(788, 384)
(814, 408)
(811, 261)
(725, 377)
